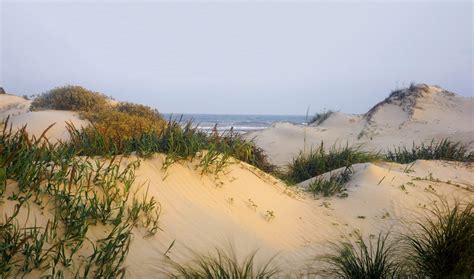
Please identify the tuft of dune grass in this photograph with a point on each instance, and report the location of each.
(320, 161)
(442, 245)
(444, 149)
(223, 264)
(362, 259)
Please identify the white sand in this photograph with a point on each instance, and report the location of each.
(435, 114)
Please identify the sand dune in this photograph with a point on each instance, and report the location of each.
(419, 114)
(17, 108)
(200, 212)
(255, 210)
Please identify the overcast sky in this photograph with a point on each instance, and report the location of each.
(238, 57)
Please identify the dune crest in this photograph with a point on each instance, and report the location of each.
(417, 114)
(18, 110)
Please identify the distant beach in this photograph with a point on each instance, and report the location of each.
(240, 123)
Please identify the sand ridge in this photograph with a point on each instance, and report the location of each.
(420, 114)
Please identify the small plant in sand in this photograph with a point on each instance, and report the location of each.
(252, 204)
(334, 185)
(269, 215)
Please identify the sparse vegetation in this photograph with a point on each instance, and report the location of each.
(77, 193)
(223, 265)
(437, 150)
(335, 184)
(76, 190)
(320, 161)
(320, 117)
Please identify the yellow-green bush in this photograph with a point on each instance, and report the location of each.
(70, 97)
(139, 110)
(117, 125)
(122, 121)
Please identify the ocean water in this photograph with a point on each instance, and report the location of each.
(240, 123)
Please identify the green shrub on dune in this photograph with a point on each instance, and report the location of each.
(139, 110)
(118, 125)
(70, 97)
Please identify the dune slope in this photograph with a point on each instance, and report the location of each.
(202, 212)
(417, 114)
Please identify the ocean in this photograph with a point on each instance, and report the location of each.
(240, 123)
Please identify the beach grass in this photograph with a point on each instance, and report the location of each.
(320, 161)
(362, 259)
(223, 264)
(444, 149)
(78, 192)
(320, 117)
(442, 245)
(333, 185)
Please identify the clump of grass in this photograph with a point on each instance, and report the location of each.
(320, 117)
(69, 97)
(223, 265)
(178, 141)
(320, 160)
(443, 244)
(436, 150)
(358, 259)
(335, 184)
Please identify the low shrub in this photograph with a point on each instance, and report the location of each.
(118, 125)
(139, 110)
(70, 97)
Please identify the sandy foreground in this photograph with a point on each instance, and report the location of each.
(254, 210)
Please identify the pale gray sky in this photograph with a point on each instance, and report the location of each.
(238, 57)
